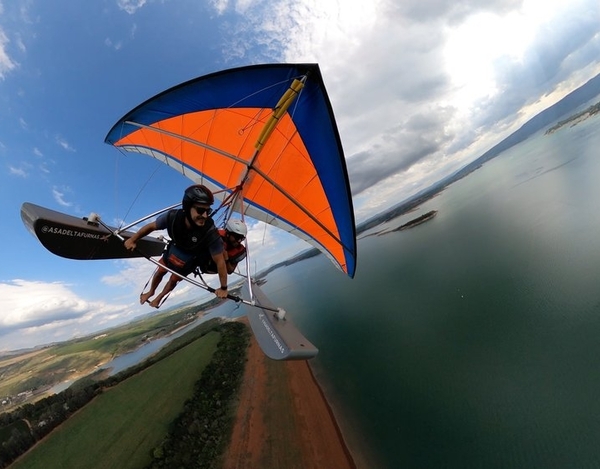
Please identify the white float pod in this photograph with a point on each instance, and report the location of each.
(275, 332)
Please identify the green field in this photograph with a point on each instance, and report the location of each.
(121, 427)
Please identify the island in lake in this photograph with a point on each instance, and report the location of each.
(411, 224)
(417, 221)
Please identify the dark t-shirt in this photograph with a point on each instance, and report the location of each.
(188, 247)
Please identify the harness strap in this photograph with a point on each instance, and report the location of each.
(198, 273)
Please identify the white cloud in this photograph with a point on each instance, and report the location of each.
(132, 272)
(38, 312)
(135, 275)
(130, 6)
(59, 196)
(21, 172)
(6, 63)
(37, 152)
(24, 7)
(115, 45)
(63, 143)
(21, 44)
(43, 302)
(219, 5)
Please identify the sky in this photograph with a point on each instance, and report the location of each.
(419, 88)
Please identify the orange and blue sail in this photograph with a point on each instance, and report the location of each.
(268, 130)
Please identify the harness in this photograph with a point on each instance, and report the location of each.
(235, 255)
(188, 247)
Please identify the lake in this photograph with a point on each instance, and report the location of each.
(473, 340)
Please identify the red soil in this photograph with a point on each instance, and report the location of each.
(283, 419)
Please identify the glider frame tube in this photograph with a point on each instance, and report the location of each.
(210, 289)
(137, 222)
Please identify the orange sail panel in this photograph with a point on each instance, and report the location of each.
(230, 128)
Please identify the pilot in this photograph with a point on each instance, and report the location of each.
(193, 234)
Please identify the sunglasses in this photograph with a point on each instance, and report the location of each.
(203, 210)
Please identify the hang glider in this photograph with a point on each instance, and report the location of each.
(264, 139)
(267, 130)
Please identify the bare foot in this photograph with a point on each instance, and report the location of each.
(155, 303)
(144, 297)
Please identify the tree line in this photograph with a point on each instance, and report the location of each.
(198, 437)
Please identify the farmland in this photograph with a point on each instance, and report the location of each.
(121, 426)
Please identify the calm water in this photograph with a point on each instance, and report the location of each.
(472, 341)
(127, 360)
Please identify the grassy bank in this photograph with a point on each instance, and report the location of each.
(122, 426)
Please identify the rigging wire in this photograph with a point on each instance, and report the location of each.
(157, 167)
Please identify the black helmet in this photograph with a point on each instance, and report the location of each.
(196, 194)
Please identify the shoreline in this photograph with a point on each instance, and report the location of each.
(348, 424)
(332, 416)
(283, 419)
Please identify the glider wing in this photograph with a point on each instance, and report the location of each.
(267, 129)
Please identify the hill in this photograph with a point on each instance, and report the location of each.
(549, 116)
